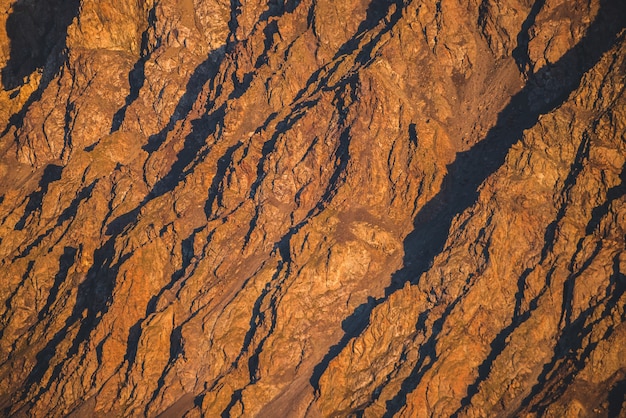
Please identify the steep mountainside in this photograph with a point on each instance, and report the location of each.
(313, 208)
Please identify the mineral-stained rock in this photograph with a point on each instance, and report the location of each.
(313, 208)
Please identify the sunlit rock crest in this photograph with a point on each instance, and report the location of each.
(312, 208)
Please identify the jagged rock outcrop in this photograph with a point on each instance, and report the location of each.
(313, 208)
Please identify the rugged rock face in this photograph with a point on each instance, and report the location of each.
(313, 208)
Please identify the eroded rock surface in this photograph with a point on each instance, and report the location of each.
(313, 208)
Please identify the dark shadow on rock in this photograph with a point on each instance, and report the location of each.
(176, 349)
(258, 317)
(234, 400)
(499, 342)
(67, 214)
(191, 152)
(376, 11)
(240, 86)
(51, 173)
(233, 23)
(520, 53)
(185, 157)
(271, 28)
(617, 398)
(9, 302)
(570, 353)
(613, 194)
(194, 141)
(136, 77)
(91, 302)
(222, 165)
(352, 326)
(36, 30)
(342, 156)
(201, 75)
(278, 7)
(545, 91)
(427, 357)
(65, 262)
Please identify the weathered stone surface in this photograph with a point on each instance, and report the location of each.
(312, 208)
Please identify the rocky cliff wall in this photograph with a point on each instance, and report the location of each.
(312, 208)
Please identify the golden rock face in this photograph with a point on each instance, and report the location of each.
(312, 208)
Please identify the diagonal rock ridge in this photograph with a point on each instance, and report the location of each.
(309, 208)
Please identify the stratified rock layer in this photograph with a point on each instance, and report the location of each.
(313, 208)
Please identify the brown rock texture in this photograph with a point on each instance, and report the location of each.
(312, 208)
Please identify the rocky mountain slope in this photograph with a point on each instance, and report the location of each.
(313, 208)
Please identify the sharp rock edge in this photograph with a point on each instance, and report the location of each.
(312, 208)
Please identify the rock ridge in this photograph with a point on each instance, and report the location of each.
(309, 208)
